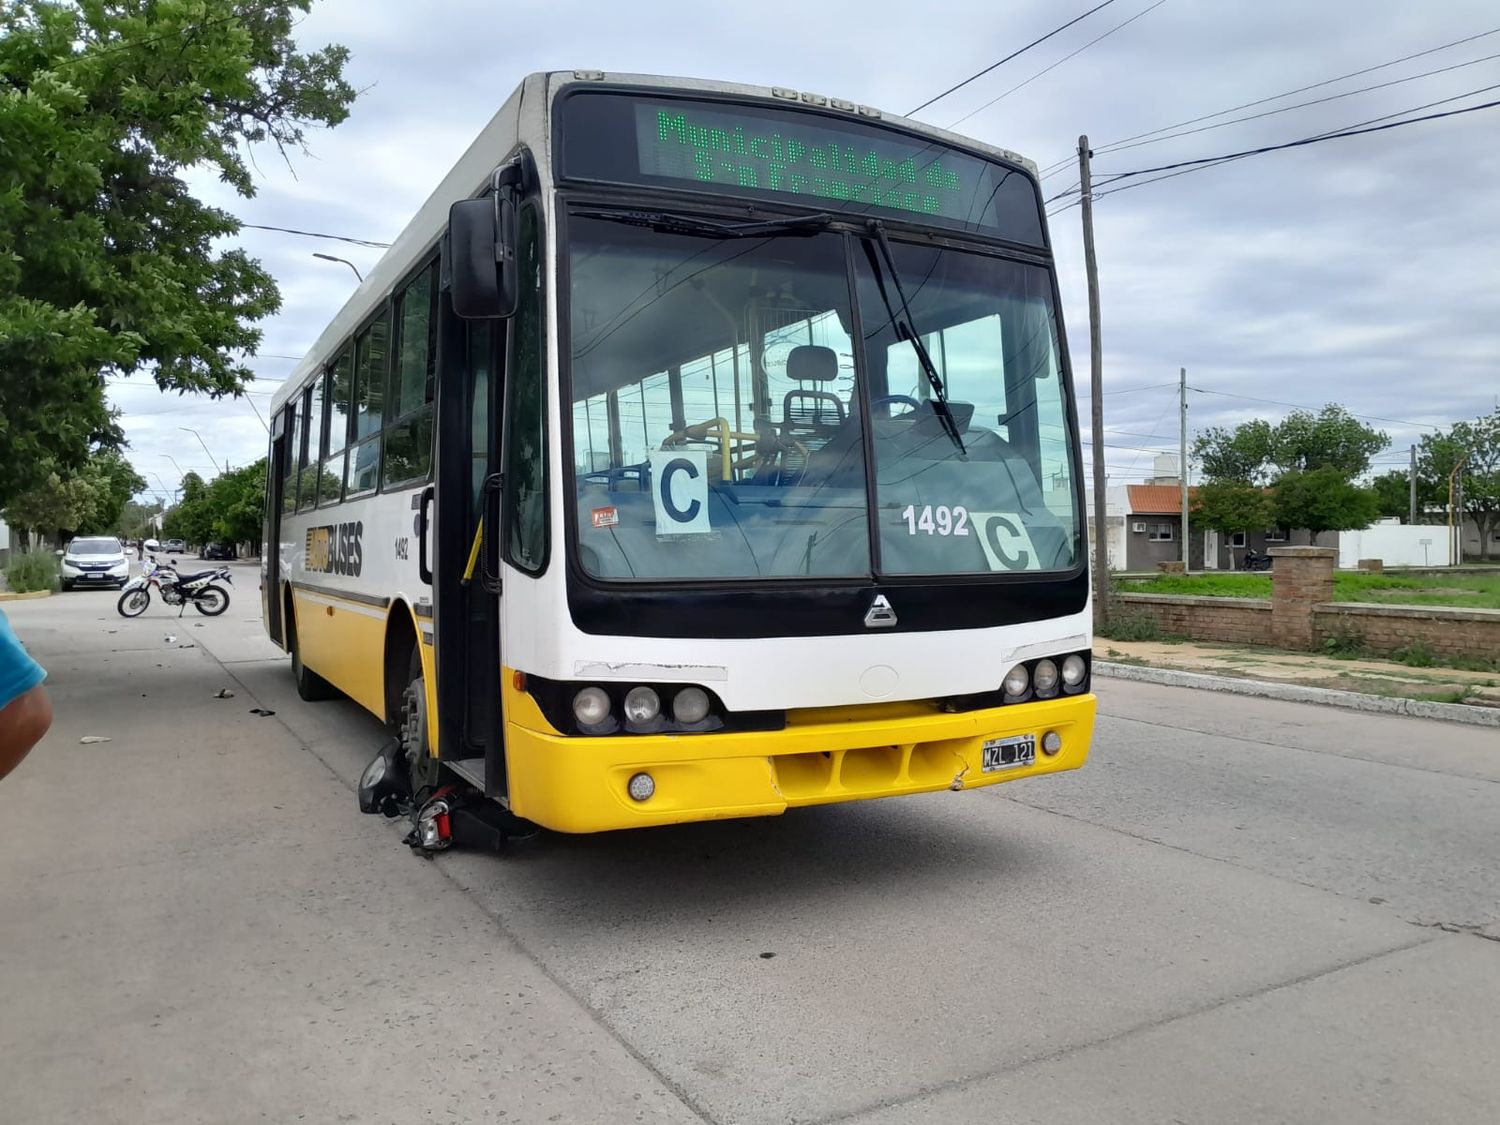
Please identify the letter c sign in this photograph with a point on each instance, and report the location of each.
(679, 491)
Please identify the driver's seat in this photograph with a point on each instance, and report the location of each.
(809, 416)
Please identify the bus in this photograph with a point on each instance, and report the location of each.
(697, 451)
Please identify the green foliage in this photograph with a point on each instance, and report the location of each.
(108, 265)
(1242, 454)
(1478, 444)
(230, 507)
(1331, 439)
(1230, 505)
(1220, 585)
(1393, 494)
(1470, 591)
(31, 571)
(1310, 460)
(1345, 643)
(1321, 499)
(88, 500)
(1415, 655)
(1127, 623)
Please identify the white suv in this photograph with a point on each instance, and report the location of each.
(94, 561)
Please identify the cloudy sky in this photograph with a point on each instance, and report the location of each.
(1363, 271)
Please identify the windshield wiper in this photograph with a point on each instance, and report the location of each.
(905, 331)
(670, 223)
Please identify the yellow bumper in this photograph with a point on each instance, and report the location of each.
(573, 784)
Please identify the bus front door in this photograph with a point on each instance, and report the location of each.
(466, 604)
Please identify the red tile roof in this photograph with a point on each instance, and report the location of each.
(1157, 499)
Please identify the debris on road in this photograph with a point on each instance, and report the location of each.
(170, 638)
(223, 693)
(261, 711)
(91, 739)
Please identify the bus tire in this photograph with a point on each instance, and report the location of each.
(423, 770)
(310, 686)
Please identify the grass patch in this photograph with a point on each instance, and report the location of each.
(30, 572)
(1466, 591)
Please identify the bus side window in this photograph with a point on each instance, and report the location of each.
(370, 349)
(408, 432)
(289, 458)
(309, 427)
(525, 414)
(331, 478)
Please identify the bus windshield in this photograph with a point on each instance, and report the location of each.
(724, 414)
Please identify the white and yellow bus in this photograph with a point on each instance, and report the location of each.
(697, 451)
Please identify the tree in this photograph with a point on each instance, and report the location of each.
(88, 500)
(1242, 454)
(237, 500)
(1229, 506)
(1478, 443)
(1322, 500)
(191, 518)
(114, 482)
(108, 265)
(1310, 461)
(1331, 438)
(1393, 494)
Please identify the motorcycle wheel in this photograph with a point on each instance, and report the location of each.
(211, 601)
(133, 603)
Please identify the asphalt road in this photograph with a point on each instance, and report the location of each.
(1240, 911)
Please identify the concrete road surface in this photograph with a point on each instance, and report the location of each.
(1240, 911)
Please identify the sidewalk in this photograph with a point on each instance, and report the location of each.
(1366, 676)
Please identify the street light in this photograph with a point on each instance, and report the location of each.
(204, 444)
(346, 261)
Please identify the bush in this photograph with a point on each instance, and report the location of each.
(1415, 655)
(1129, 624)
(35, 570)
(1344, 643)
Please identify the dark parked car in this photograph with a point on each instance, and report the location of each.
(217, 551)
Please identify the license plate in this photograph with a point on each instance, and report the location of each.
(1009, 753)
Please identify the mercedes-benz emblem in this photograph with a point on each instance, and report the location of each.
(880, 615)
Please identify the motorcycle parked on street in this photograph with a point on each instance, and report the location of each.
(199, 589)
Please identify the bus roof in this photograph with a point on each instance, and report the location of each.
(524, 117)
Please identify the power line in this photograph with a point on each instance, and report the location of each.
(1182, 167)
(1068, 160)
(1057, 64)
(1299, 406)
(1007, 58)
(1121, 147)
(316, 234)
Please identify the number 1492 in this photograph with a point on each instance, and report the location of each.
(941, 520)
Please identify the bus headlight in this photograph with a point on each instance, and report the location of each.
(642, 705)
(1044, 678)
(1016, 681)
(1073, 670)
(591, 706)
(690, 705)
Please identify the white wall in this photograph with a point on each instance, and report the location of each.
(1395, 545)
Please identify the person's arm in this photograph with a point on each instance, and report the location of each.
(22, 724)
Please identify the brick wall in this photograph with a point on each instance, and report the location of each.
(1238, 621)
(1386, 628)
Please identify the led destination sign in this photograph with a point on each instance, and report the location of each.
(759, 150)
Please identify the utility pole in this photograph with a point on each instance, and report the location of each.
(1096, 388)
(1182, 467)
(1412, 481)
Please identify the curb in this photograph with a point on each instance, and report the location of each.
(1297, 693)
(7, 596)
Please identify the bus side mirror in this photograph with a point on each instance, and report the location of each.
(481, 250)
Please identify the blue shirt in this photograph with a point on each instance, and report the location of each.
(18, 672)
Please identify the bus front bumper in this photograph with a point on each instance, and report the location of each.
(579, 784)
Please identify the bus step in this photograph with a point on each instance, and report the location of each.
(470, 769)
